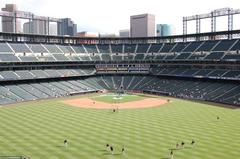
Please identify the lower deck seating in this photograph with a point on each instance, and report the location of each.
(222, 92)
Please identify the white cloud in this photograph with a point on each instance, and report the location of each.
(113, 15)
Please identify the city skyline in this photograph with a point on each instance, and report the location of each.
(109, 17)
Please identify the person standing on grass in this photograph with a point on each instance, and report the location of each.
(123, 149)
(171, 154)
(111, 148)
(193, 143)
(182, 144)
(177, 146)
(107, 146)
(65, 142)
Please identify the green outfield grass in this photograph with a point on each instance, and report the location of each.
(37, 129)
(114, 98)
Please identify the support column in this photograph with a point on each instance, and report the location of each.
(213, 23)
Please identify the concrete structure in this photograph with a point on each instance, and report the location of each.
(142, 25)
(10, 24)
(67, 27)
(165, 30)
(124, 33)
(87, 34)
(107, 35)
(53, 30)
(34, 27)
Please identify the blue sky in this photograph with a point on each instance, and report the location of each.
(110, 16)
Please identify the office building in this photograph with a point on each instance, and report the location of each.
(165, 30)
(142, 25)
(8, 23)
(34, 27)
(67, 27)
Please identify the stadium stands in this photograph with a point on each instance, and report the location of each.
(204, 70)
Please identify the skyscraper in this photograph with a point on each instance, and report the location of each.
(34, 27)
(67, 27)
(142, 25)
(165, 30)
(8, 23)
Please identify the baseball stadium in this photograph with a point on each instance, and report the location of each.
(67, 97)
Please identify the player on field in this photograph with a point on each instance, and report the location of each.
(193, 143)
(65, 142)
(171, 154)
(111, 148)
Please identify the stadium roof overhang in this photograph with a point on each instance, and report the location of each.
(33, 38)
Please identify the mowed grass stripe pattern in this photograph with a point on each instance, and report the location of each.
(38, 129)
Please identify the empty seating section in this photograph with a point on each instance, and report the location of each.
(39, 74)
(25, 74)
(103, 48)
(117, 48)
(37, 48)
(217, 73)
(46, 73)
(232, 74)
(170, 56)
(203, 73)
(129, 57)
(167, 47)
(19, 47)
(142, 48)
(91, 48)
(179, 47)
(149, 57)
(236, 46)
(232, 57)
(129, 48)
(96, 57)
(78, 48)
(8, 58)
(46, 58)
(192, 46)
(224, 45)
(4, 48)
(183, 56)
(52, 48)
(73, 58)
(28, 58)
(25, 95)
(60, 57)
(139, 57)
(66, 48)
(106, 57)
(9, 75)
(214, 56)
(85, 57)
(195, 72)
(117, 57)
(178, 79)
(197, 56)
(160, 57)
(202, 90)
(205, 50)
(207, 46)
(154, 48)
